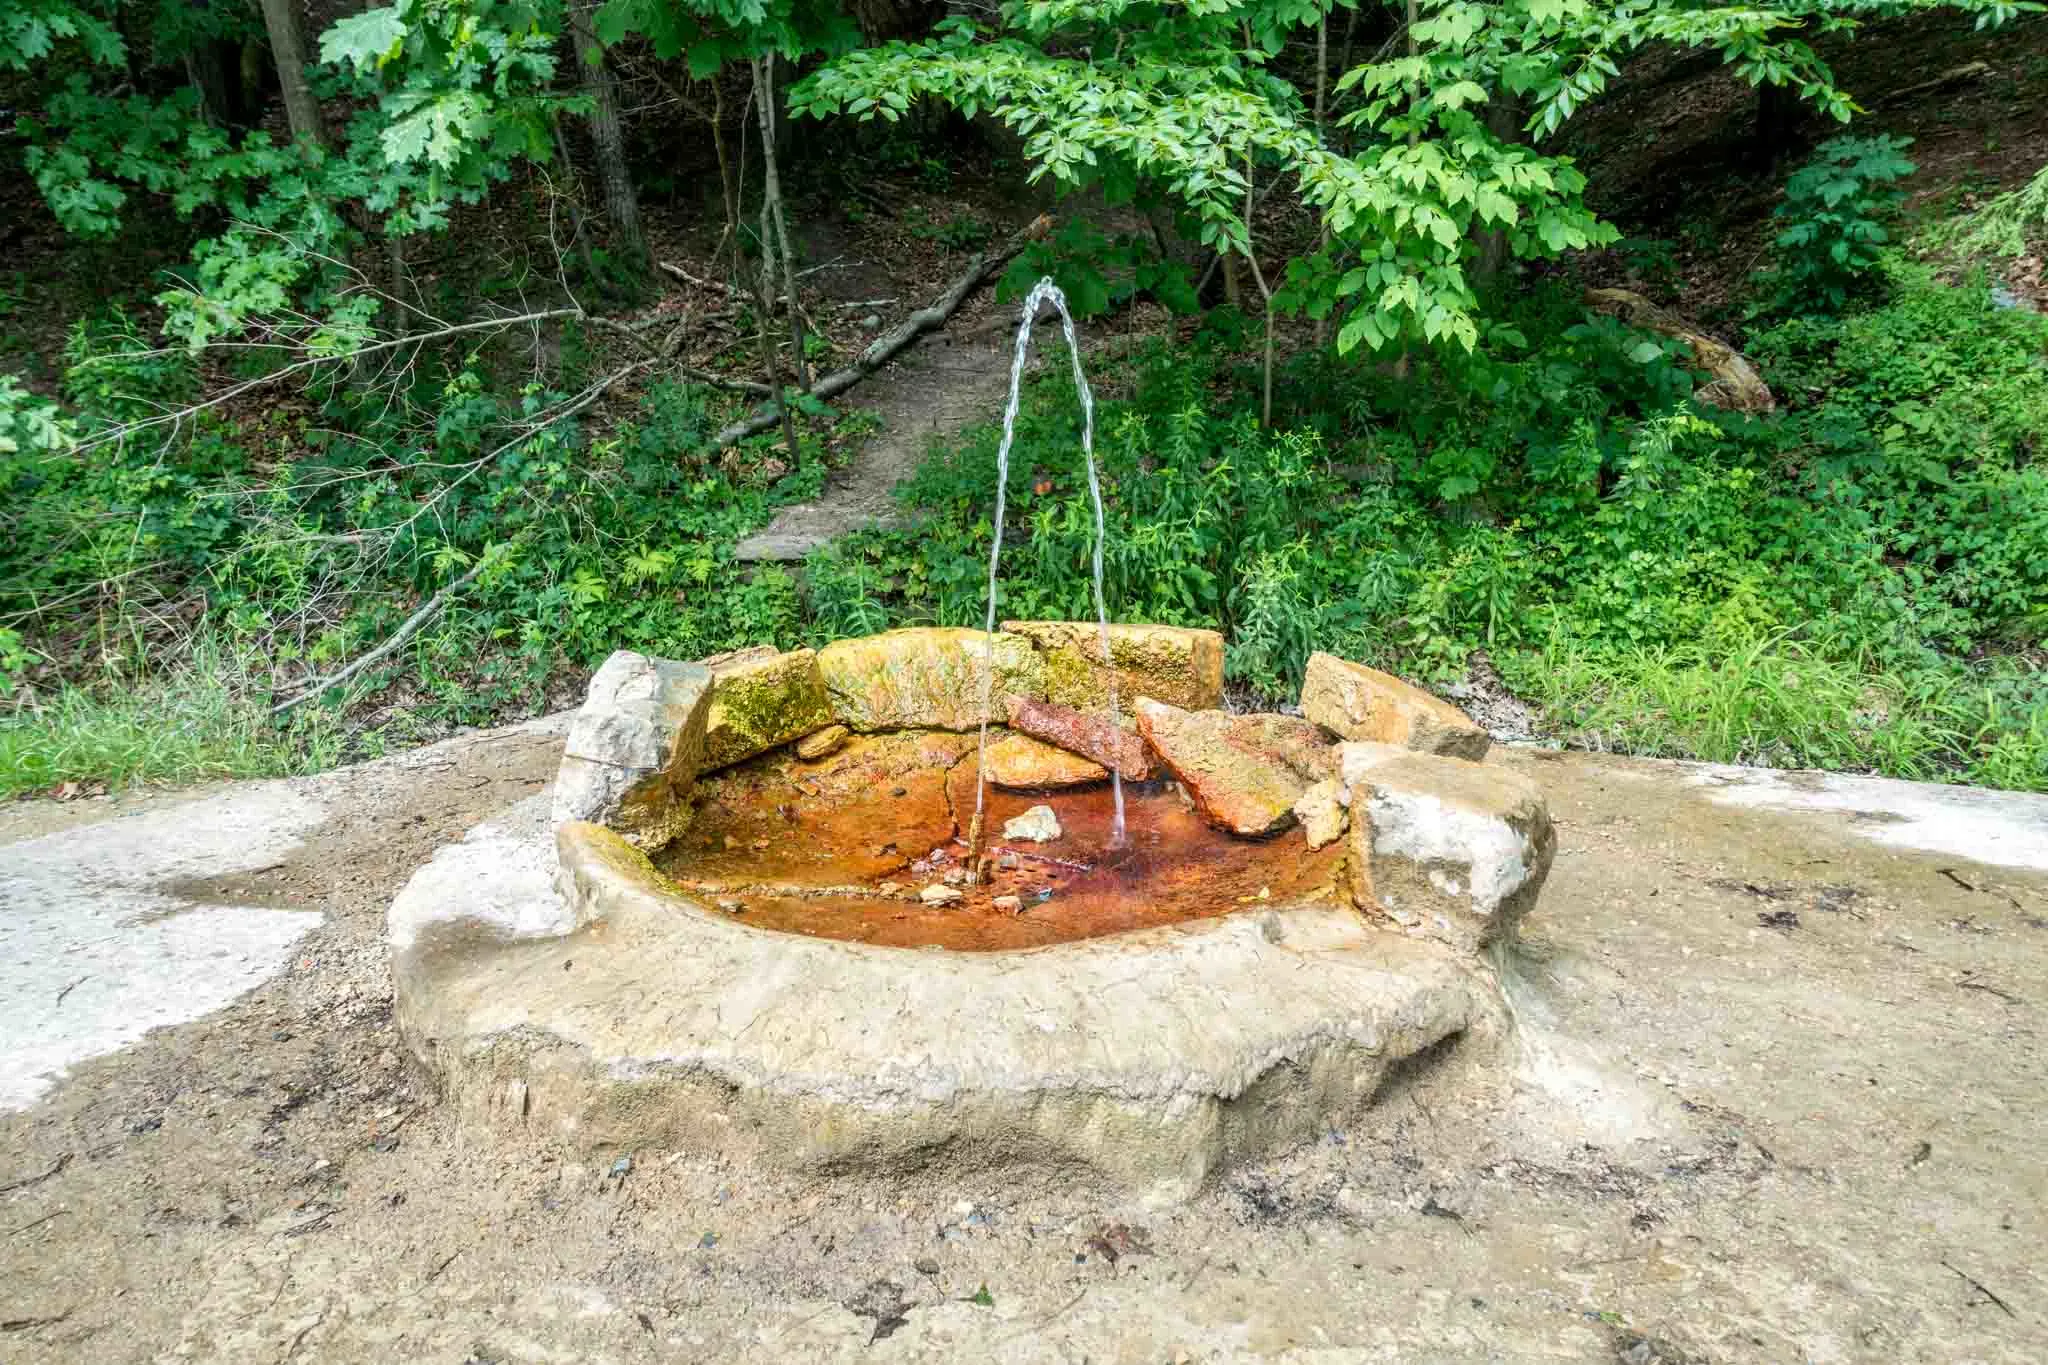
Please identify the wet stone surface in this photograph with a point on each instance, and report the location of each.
(846, 850)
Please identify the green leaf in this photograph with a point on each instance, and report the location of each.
(365, 41)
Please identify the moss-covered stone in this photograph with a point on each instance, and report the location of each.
(927, 678)
(1171, 664)
(761, 700)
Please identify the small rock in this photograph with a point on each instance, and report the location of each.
(732, 907)
(1321, 812)
(1013, 904)
(822, 743)
(938, 894)
(1008, 861)
(1039, 825)
(889, 888)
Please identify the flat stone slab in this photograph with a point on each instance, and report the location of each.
(1149, 1058)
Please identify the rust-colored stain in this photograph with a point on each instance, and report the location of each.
(771, 836)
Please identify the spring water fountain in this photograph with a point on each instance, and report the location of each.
(1045, 291)
(856, 907)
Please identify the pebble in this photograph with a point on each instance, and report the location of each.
(889, 888)
(937, 894)
(1039, 825)
(1013, 904)
(732, 907)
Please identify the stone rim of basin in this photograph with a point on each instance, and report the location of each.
(1258, 776)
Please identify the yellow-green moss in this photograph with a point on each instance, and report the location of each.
(757, 704)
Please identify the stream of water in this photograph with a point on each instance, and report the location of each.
(1045, 291)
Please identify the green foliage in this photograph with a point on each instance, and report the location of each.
(2009, 224)
(463, 95)
(1834, 215)
(1182, 105)
(201, 720)
(32, 31)
(1098, 272)
(1729, 588)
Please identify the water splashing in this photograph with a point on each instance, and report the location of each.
(1045, 291)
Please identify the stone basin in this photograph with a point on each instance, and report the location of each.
(749, 958)
(808, 848)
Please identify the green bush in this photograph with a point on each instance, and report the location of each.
(1834, 215)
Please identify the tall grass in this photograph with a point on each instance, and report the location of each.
(1775, 701)
(201, 718)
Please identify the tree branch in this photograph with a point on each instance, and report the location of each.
(406, 630)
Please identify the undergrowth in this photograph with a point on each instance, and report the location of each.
(197, 719)
(1858, 581)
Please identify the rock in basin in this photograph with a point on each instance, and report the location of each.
(1024, 764)
(1244, 773)
(663, 1024)
(1093, 737)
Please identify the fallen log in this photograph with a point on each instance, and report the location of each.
(1736, 385)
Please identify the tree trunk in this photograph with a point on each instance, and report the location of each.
(621, 202)
(574, 202)
(1504, 120)
(772, 219)
(287, 30)
(1322, 332)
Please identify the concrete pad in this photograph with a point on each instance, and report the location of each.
(2006, 829)
(97, 949)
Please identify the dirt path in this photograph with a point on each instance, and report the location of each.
(955, 378)
(1778, 1098)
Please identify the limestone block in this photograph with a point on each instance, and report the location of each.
(1453, 850)
(1170, 664)
(1359, 703)
(927, 678)
(1021, 763)
(634, 748)
(1244, 773)
(761, 700)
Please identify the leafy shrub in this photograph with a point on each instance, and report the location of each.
(1834, 216)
